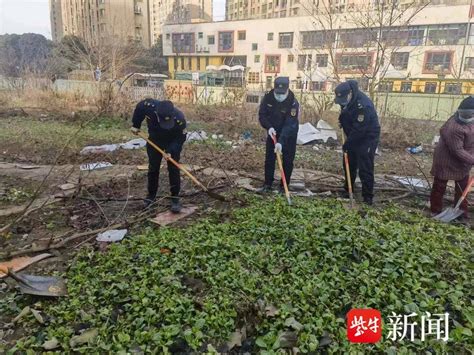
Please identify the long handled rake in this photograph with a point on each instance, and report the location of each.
(282, 172)
(182, 168)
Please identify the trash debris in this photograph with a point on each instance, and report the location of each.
(308, 133)
(412, 181)
(27, 167)
(435, 140)
(87, 337)
(68, 186)
(95, 166)
(23, 313)
(415, 150)
(271, 311)
(235, 339)
(113, 235)
(136, 143)
(37, 315)
(196, 136)
(296, 185)
(169, 217)
(51, 344)
(99, 149)
(142, 167)
(246, 135)
(21, 263)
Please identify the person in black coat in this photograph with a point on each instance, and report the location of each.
(360, 124)
(166, 128)
(278, 114)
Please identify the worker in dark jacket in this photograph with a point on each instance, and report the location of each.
(166, 128)
(278, 114)
(454, 156)
(360, 123)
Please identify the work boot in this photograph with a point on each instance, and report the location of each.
(264, 189)
(368, 201)
(175, 205)
(149, 200)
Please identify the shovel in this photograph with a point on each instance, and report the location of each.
(450, 214)
(282, 172)
(348, 174)
(38, 285)
(182, 168)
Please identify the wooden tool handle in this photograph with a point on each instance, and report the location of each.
(170, 159)
(465, 192)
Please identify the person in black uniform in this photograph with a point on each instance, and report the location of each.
(166, 128)
(360, 123)
(278, 114)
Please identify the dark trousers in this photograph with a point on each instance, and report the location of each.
(154, 162)
(361, 160)
(288, 152)
(438, 190)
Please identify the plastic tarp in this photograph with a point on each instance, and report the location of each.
(308, 133)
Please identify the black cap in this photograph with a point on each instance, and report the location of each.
(282, 85)
(467, 104)
(165, 111)
(342, 91)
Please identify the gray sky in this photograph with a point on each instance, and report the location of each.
(22, 16)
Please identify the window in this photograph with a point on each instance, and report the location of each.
(354, 61)
(291, 58)
(254, 77)
(469, 64)
(252, 99)
(102, 12)
(269, 82)
(211, 40)
(200, 35)
(254, 46)
(168, 36)
(452, 88)
(236, 60)
(399, 60)
(226, 41)
(430, 87)
(406, 86)
(270, 36)
(404, 36)
(198, 60)
(446, 34)
(283, 13)
(207, 61)
(315, 39)
(356, 38)
(256, 59)
(385, 86)
(304, 61)
(272, 63)
(437, 62)
(241, 35)
(183, 42)
(317, 85)
(321, 60)
(285, 40)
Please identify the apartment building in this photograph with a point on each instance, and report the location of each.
(96, 20)
(177, 11)
(434, 54)
(263, 9)
(140, 20)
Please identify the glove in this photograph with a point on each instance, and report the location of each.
(271, 132)
(134, 130)
(278, 148)
(345, 147)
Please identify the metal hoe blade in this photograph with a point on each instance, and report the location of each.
(449, 215)
(40, 285)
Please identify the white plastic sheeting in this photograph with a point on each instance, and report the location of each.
(308, 133)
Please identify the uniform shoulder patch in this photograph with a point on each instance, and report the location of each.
(359, 105)
(293, 112)
(360, 118)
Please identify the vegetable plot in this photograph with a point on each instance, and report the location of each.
(268, 278)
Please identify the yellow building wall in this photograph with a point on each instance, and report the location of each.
(191, 63)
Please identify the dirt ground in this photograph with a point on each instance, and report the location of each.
(40, 155)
